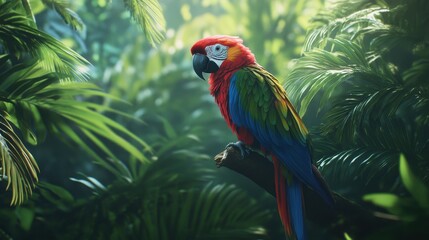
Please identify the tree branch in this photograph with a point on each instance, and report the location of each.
(346, 217)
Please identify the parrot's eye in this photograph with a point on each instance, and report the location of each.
(217, 51)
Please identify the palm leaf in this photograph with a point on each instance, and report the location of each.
(208, 213)
(148, 14)
(365, 168)
(37, 103)
(68, 15)
(361, 112)
(324, 70)
(17, 163)
(333, 26)
(364, 68)
(164, 203)
(62, 112)
(19, 38)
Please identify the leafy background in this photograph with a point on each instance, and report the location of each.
(106, 132)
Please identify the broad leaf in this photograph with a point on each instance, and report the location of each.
(413, 184)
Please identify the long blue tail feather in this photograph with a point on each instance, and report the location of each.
(295, 205)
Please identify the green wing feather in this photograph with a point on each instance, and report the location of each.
(262, 96)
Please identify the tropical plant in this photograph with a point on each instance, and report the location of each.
(180, 206)
(147, 14)
(364, 76)
(412, 211)
(171, 193)
(36, 101)
(151, 200)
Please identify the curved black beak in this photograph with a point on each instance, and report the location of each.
(202, 64)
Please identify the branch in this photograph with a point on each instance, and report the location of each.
(346, 217)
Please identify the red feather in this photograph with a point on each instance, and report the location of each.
(220, 80)
(280, 186)
(200, 46)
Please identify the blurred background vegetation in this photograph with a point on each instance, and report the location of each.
(101, 97)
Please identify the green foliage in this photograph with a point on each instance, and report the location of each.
(148, 14)
(36, 103)
(157, 203)
(414, 185)
(173, 187)
(412, 210)
(215, 215)
(207, 213)
(19, 39)
(17, 163)
(364, 73)
(68, 15)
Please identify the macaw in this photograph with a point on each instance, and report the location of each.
(256, 108)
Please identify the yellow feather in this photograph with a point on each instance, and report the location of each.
(233, 53)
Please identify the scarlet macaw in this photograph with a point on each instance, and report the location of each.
(257, 110)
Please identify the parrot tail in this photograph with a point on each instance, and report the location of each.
(289, 198)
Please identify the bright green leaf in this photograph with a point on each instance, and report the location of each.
(402, 207)
(25, 217)
(414, 185)
(385, 200)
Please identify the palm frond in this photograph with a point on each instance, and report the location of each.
(348, 26)
(361, 112)
(68, 15)
(16, 163)
(367, 169)
(19, 38)
(37, 104)
(338, 9)
(364, 68)
(85, 116)
(209, 213)
(324, 71)
(174, 173)
(169, 198)
(148, 14)
(419, 70)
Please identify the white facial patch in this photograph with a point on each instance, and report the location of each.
(217, 53)
(218, 62)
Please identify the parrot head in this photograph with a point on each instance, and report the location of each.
(220, 53)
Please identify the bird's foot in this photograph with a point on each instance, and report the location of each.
(244, 150)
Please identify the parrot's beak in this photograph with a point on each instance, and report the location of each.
(203, 64)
